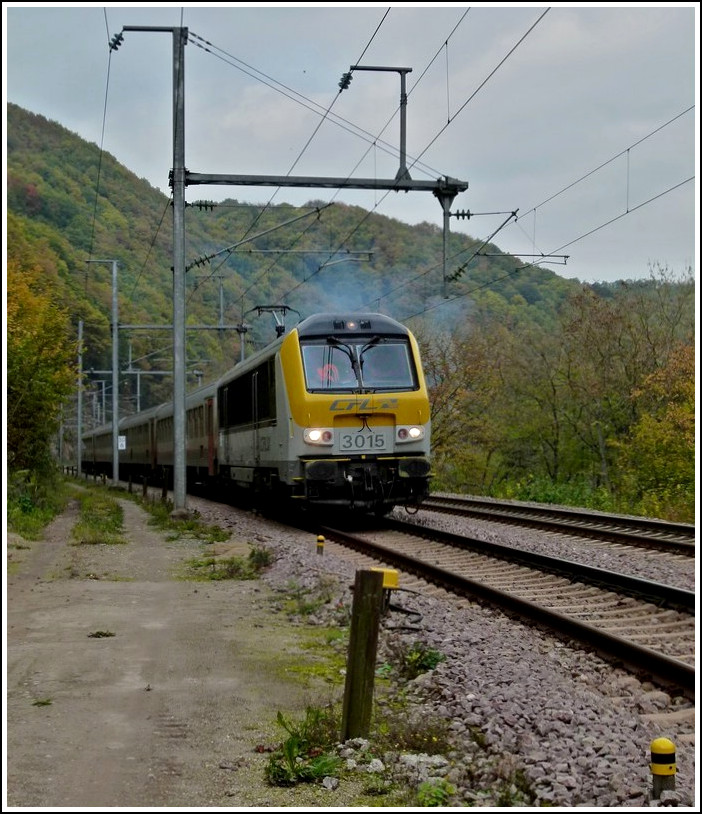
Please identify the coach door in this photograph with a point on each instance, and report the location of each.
(256, 418)
(209, 431)
(152, 444)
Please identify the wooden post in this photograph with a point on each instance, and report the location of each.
(363, 645)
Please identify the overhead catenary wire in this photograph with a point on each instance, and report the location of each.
(463, 294)
(309, 141)
(301, 99)
(608, 161)
(151, 246)
(451, 118)
(629, 210)
(463, 106)
(415, 161)
(102, 140)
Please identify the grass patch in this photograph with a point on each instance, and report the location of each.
(303, 601)
(101, 520)
(33, 500)
(191, 527)
(218, 568)
(329, 647)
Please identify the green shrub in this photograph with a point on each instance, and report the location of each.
(33, 500)
(435, 792)
(303, 756)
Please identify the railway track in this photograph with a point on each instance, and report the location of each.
(644, 625)
(613, 529)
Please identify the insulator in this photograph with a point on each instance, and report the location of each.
(116, 41)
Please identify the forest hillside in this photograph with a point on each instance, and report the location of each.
(542, 387)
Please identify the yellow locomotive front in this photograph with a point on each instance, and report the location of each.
(359, 412)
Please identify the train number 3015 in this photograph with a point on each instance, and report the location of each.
(361, 441)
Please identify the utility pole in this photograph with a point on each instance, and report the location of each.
(180, 38)
(79, 428)
(115, 372)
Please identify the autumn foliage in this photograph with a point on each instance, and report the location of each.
(41, 368)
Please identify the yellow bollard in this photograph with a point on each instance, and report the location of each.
(390, 583)
(663, 766)
(320, 544)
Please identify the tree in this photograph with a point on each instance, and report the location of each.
(41, 369)
(657, 464)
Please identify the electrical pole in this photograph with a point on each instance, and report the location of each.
(115, 372)
(180, 38)
(79, 429)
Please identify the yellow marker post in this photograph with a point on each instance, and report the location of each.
(663, 766)
(391, 583)
(320, 544)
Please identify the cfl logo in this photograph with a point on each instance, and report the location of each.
(364, 405)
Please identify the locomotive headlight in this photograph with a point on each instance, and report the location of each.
(318, 436)
(410, 433)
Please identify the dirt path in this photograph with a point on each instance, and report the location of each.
(168, 710)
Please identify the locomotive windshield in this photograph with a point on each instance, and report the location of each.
(366, 364)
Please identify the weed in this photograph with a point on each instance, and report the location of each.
(191, 527)
(478, 736)
(211, 568)
(515, 790)
(435, 792)
(377, 787)
(329, 646)
(101, 634)
(399, 731)
(42, 702)
(384, 671)
(260, 557)
(307, 601)
(414, 659)
(303, 756)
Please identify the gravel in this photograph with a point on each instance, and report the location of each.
(532, 720)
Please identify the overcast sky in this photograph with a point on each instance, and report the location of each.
(582, 118)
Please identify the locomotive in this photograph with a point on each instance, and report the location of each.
(334, 413)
